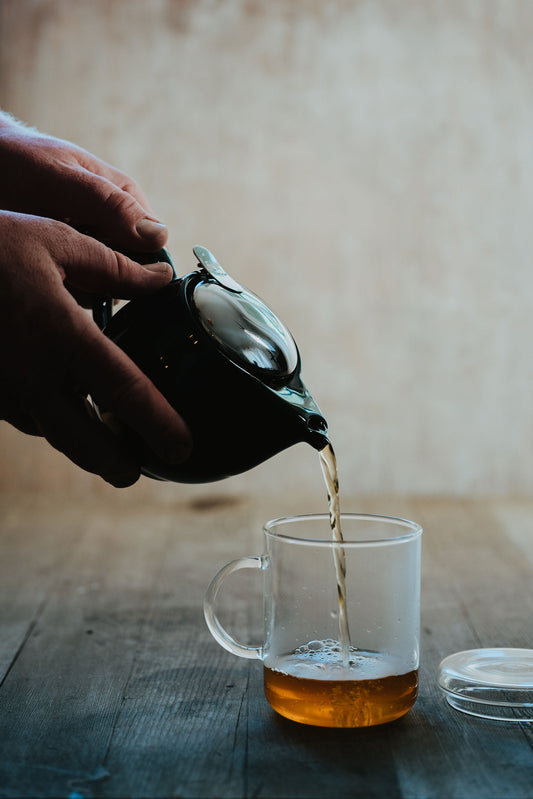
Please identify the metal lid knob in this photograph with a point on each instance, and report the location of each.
(212, 266)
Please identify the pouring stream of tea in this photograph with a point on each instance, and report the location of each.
(328, 462)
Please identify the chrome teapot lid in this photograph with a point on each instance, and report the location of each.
(241, 325)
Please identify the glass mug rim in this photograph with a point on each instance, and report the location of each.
(406, 530)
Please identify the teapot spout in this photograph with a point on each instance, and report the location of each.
(315, 426)
(317, 430)
(307, 416)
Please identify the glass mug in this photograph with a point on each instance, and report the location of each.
(312, 673)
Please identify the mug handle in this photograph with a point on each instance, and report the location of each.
(215, 628)
(103, 306)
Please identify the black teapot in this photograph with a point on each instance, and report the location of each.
(224, 361)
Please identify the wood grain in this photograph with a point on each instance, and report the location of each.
(112, 686)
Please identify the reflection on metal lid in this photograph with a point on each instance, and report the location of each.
(246, 330)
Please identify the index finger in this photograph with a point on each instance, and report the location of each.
(105, 170)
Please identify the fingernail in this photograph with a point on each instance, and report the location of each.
(149, 228)
(161, 266)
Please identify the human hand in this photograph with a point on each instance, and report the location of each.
(54, 355)
(50, 177)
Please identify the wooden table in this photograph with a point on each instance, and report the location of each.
(111, 685)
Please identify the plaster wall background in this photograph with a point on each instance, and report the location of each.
(366, 166)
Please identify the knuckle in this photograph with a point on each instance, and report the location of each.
(120, 202)
(103, 196)
(120, 268)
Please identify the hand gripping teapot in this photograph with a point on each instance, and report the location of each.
(225, 362)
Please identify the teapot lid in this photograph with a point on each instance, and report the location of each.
(241, 325)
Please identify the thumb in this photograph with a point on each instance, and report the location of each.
(90, 266)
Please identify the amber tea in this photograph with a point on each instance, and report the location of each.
(327, 694)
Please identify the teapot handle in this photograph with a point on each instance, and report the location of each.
(103, 306)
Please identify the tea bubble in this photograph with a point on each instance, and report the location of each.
(322, 660)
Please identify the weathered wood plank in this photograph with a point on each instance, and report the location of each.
(186, 698)
(28, 569)
(61, 698)
(115, 687)
(471, 572)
